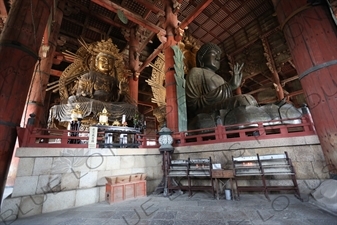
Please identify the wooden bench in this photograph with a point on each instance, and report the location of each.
(264, 168)
(191, 170)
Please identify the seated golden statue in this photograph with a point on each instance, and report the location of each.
(100, 85)
(94, 81)
(208, 92)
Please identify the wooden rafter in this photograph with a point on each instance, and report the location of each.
(130, 15)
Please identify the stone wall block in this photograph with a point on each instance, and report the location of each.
(31, 205)
(140, 161)
(113, 162)
(151, 185)
(88, 179)
(59, 201)
(304, 170)
(150, 172)
(25, 186)
(10, 209)
(42, 184)
(303, 153)
(318, 153)
(42, 166)
(102, 193)
(121, 172)
(25, 167)
(48, 184)
(153, 160)
(312, 139)
(320, 170)
(87, 196)
(81, 164)
(127, 162)
(70, 181)
(54, 183)
(138, 170)
(157, 173)
(101, 177)
(97, 162)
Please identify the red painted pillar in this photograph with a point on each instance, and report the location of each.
(19, 45)
(37, 92)
(134, 63)
(171, 24)
(312, 39)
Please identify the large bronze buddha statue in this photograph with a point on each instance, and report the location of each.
(209, 97)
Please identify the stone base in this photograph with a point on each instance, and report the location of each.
(326, 195)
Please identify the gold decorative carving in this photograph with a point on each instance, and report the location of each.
(268, 55)
(189, 47)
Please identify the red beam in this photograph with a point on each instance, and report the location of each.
(195, 13)
(151, 57)
(184, 24)
(151, 7)
(130, 15)
(56, 73)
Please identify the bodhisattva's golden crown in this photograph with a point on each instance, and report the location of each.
(106, 47)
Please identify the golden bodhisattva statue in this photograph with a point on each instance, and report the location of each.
(96, 80)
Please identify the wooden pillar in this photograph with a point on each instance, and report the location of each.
(171, 26)
(37, 92)
(272, 68)
(312, 39)
(19, 45)
(134, 63)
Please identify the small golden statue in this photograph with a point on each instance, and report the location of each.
(116, 123)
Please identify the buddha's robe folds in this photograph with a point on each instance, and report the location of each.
(208, 92)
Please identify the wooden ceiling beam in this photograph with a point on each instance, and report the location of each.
(55, 73)
(151, 57)
(182, 25)
(130, 15)
(149, 5)
(145, 93)
(258, 90)
(195, 13)
(98, 16)
(283, 82)
(292, 94)
(238, 50)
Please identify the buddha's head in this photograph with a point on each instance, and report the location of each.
(208, 56)
(104, 62)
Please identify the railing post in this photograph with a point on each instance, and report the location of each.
(144, 144)
(218, 131)
(182, 138)
(261, 129)
(64, 137)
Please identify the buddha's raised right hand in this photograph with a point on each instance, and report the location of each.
(235, 82)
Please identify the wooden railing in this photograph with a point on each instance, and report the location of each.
(51, 138)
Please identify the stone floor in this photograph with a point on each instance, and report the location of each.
(200, 209)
